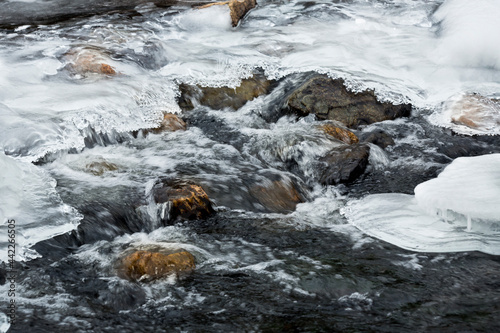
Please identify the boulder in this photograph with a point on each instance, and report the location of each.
(237, 8)
(224, 97)
(378, 137)
(98, 168)
(329, 99)
(185, 201)
(85, 61)
(170, 123)
(343, 164)
(148, 266)
(277, 196)
(476, 112)
(339, 133)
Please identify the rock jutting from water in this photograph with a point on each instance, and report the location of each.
(344, 164)
(237, 8)
(339, 133)
(147, 266)
(85, 61)
(184, 202)
(224, 97)
(330, 99)
(475, 111)
(277, 196)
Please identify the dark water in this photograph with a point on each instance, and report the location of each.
(257, 270)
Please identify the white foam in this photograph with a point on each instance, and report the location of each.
(457, 211)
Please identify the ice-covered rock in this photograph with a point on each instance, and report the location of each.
(457, 211)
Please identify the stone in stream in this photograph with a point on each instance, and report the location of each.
(148, 266)
(98, 168)
(339, 133)
(184, 201)
(344, 164)
(237, 8)
(377, 137)
(224, 97)
(277, 196)
(329, 99)
(85, 61)
(170, 123)
(476, 112)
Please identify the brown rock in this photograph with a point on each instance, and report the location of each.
(329, 99)
(344, 164)
(224, 97)
(475, 111)
(148, 266)
(277, 196)
(339, 133)
(171, 123)
(84, 61)
(98, 168)
(187, 202)
(239, 8)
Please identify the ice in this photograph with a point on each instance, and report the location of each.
(28, 196)
(457, 211)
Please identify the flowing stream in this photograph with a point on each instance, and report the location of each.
(342, 260)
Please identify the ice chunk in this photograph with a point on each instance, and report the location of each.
(28, 196)
(457, 211)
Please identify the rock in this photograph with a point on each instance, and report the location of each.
(329, 99)
(379, 138)
(277, 196)
(185, 201)
(224, 97)
(237, 8)
(170, 123)
(148, 266)
(476, 112)
(339, 133)
(98, 168)
(344, 164)
(85, 61)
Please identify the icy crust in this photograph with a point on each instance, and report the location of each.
(399, 220)
(469, 186)
(457, 211)
(28, 196)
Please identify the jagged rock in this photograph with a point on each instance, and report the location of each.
(476, 112)
(148, 266)
(237, 8)
(224, 97)
(329, 99)
(277, 196)
(339, 133)
(344, 164)
(185, 201)
(84, 61)
(379, 138)
(98, 168)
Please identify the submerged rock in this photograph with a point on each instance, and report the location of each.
(98, 168)
(85, 61)
(148, 266)
(224, 97)
(339, 133)
(185, 201)
(277, 196)
(237, 8)
(476, 112)
(378, 137)
(329, 99)
(344, 164)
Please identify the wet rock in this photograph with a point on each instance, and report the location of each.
(329, 99)
(344, 164)
(224, 97)
(277, 196)
(184, 201)
(170, 123)
(476, 112)
(148, 266)
(339, 133)
(237, 8)
(378, 137)
(85, 61)
(98, 168)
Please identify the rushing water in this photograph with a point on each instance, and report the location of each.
(257, 270)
